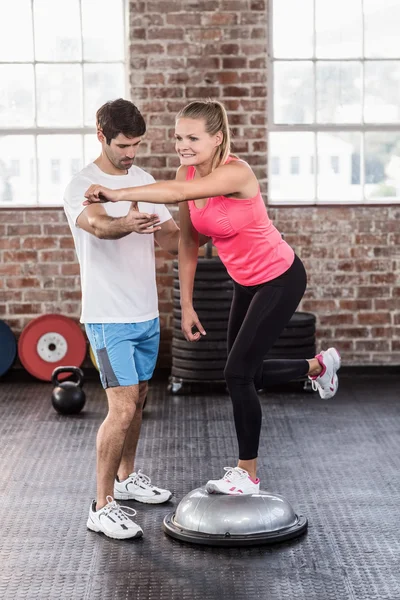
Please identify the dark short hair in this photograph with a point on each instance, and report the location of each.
(120, 116)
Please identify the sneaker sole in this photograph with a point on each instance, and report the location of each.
(152, 500)
(92, 527)
(213, 489)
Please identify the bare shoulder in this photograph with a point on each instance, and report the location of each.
(181, 173)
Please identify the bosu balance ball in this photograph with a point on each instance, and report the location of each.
(223, 520)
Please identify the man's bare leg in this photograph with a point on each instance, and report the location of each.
(127, 464)
(111, 438)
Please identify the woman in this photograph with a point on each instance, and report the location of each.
(219, 196)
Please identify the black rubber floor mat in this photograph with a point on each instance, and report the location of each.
(336, 461)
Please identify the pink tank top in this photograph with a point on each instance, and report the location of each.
(248, 244)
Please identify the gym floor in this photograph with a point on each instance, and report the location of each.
(337, 462)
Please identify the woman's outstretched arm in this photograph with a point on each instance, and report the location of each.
(235, 178)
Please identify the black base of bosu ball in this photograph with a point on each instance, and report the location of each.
(222, 520)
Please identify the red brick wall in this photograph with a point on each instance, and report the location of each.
(181, 50)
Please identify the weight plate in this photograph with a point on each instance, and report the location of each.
(298, 332)
(50, 341)
(212, 284)
(301, 319)
(295, 342)
(300, 352)
(52, 347)
(211, 336)
(220, 325)
(214, 315)
(190, 375)
(203, 345)
(93, 357)
(208, 294)
(198, 354)
(197, 365)
(8, 347)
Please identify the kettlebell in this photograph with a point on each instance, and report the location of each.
(68, 397)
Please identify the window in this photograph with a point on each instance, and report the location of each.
(275, 165)
(294, 165)
(335, 164)
(334, 79)
(53, 81)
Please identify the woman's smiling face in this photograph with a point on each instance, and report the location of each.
(193, 144)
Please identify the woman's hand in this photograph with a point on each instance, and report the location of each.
(99, 193)
(190, 320)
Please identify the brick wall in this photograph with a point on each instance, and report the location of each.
(182, 50)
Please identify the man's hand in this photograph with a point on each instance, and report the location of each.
(99, 193)
(190, 320)
(142, 222)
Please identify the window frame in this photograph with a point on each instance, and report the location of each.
(37, 130)
(316, 128)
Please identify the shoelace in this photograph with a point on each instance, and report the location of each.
(233, 473)
(122, 512)
(142, 478)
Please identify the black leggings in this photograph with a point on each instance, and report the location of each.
(258, 316)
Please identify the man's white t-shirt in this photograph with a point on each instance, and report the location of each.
(117, 276)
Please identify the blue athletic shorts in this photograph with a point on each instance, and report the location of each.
(126, 353)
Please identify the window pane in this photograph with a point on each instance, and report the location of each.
(16, 39)
(17, 177)
(102, 83)
(16, 96)
(293, 92)
(293, 151)
(92, 148)
(61, 41)
(103, 30)
(339, 92)
(339, 166)
(382, 85)
(56, 154)
(293, 23)
(338, 29)
(382, 18)
(382, 165)
(59, 92)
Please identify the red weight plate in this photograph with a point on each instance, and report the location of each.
(48, 342)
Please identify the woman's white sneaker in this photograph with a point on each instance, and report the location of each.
(327, 382)
(113, 520)
(138, 487)
(235, 482)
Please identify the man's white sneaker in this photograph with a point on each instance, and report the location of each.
(113, 520)
(139, 487)
(327, 383)
(235, 482)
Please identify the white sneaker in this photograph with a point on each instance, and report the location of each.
(235, 482)
(139, 487)
(113, 520)
(327, 383)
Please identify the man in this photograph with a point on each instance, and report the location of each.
(115, 247)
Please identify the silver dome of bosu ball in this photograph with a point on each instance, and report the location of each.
(222, 520)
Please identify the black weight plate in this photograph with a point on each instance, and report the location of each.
(295, 342)
(208, 294)
(211, 336)
(300, 332)
(212, 284)
(301, 352)
(189, 375)
(197, 365)
(208, 325)
(211, 315)
(199, 354)
(301, 319)
(203, 345)
(8, 347)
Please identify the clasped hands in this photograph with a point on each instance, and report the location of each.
(141, 222)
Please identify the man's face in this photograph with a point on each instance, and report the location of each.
(122, 150)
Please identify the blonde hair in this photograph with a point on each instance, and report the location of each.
(216, 119)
